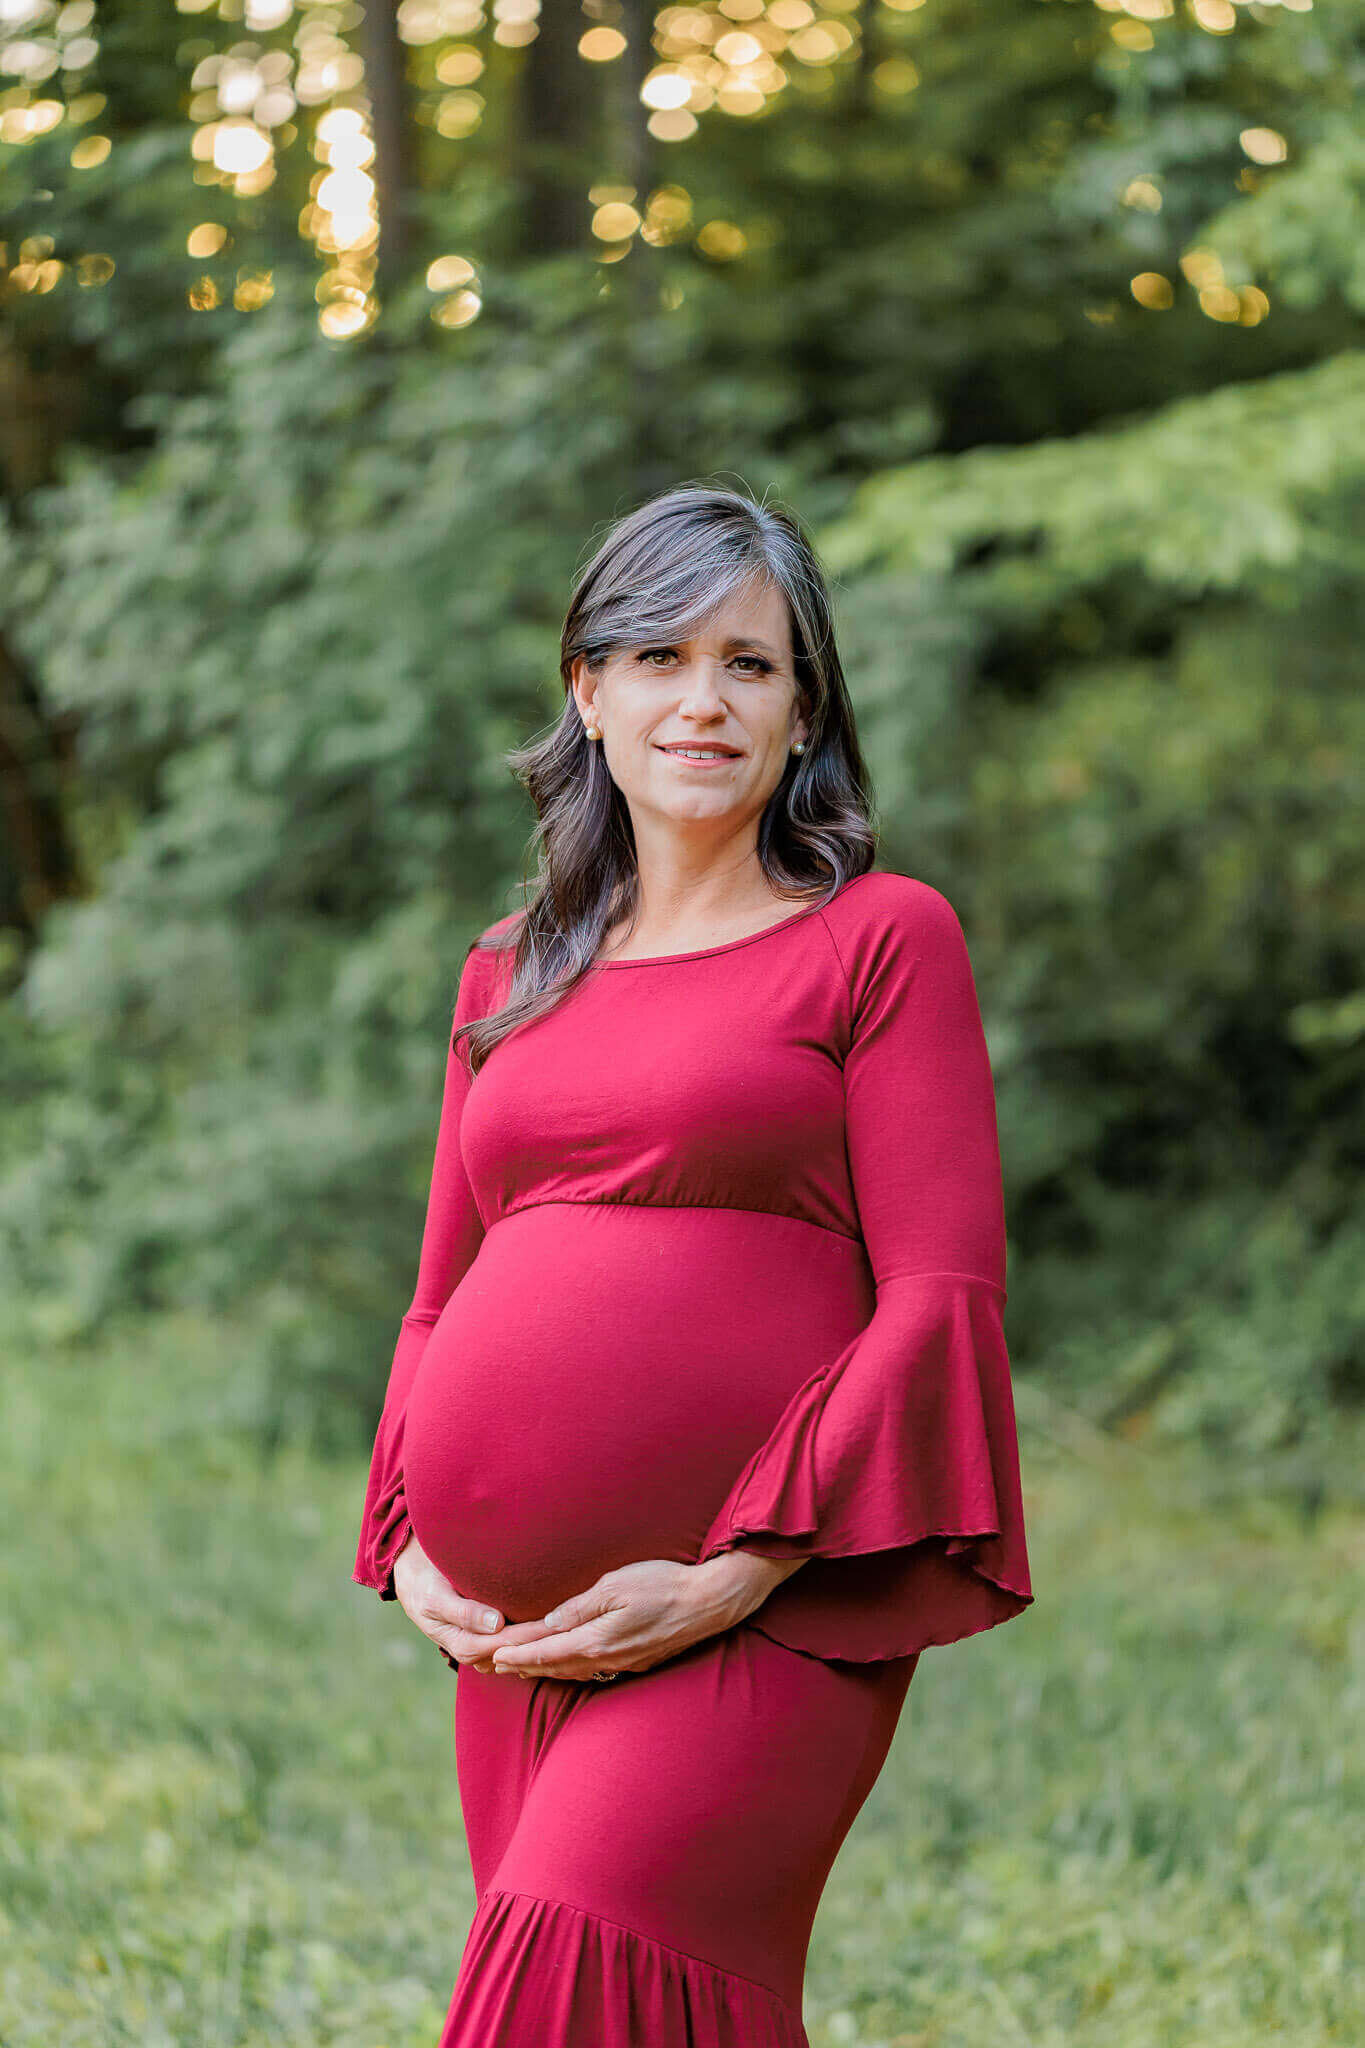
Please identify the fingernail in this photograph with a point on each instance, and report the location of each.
(489, 1618)
(552, 1620)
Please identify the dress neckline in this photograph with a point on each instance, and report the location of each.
(732, 945)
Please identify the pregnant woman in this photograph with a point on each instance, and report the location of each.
(699, 1428)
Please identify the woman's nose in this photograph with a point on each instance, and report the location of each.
(701, 685)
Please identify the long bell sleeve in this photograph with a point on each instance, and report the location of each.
(451, 1236)
(894, 1467)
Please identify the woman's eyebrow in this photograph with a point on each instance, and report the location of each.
(729, 646)
(749, 641)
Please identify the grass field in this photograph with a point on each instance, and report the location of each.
(1132, 1818)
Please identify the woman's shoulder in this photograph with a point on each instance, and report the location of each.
(499, 935)
(488, 956)
(894, 933)
(882, 911)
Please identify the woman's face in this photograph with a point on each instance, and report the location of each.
(730, 687)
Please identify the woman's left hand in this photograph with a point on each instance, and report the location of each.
(639, 1614)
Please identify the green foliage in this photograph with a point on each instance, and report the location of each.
(336, 663)
(1162, 873)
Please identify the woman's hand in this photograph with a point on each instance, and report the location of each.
(639, 1614)
(464, 1629)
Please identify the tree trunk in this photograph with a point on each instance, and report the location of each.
(394, 173)
(38, 863)
(558, 99)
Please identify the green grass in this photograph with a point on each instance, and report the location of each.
(229, 1815)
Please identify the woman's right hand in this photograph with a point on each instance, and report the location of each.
(456, 1625)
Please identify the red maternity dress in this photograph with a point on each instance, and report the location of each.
(714, 1256)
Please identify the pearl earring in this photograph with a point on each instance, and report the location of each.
(799, 747)
(594, 732)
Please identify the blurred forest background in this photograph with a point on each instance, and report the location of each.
(330, 338)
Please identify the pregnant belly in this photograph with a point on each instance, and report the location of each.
(599, 1378)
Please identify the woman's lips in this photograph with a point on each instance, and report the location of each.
(689, 761)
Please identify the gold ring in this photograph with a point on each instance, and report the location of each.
(603, 1677)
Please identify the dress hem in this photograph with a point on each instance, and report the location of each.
(537, 1967)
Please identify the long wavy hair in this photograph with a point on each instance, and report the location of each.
(659, 574)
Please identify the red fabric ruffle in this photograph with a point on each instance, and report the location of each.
(385, 1526)
(539, 1973)
(895, 1472)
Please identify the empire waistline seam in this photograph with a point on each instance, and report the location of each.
(722, 1208)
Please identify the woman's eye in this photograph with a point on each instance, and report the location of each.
(762, 667)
